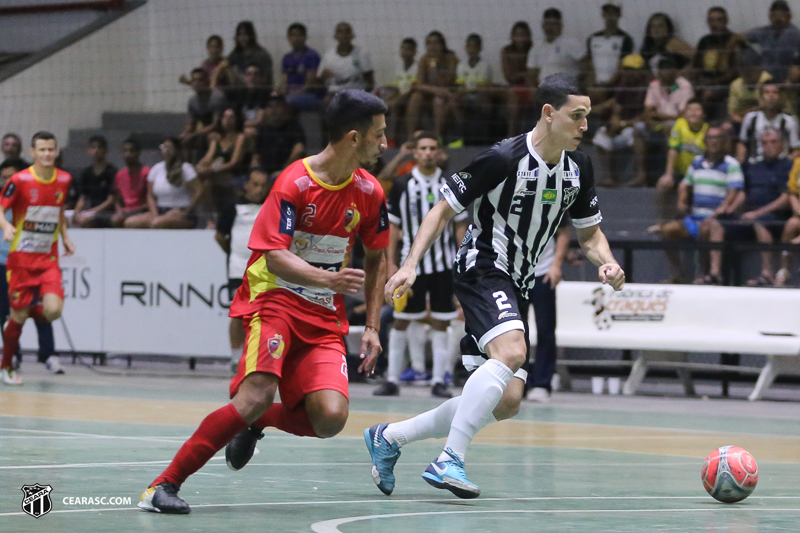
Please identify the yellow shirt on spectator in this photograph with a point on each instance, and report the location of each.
(793, 186)
(741, 98)
(688, 144)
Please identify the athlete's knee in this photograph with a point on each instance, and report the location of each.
(328, 418)
(512, 352)
(255, 395)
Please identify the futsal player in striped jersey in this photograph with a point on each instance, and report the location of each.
(520, 189)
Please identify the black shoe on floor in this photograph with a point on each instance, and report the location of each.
(240, 450)
(387, 388)
(440, 390)
(164, 498)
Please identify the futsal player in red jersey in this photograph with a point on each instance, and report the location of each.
(290, 299)
(36, 197)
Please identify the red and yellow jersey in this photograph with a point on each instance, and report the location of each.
(36, 206)
(318, 223)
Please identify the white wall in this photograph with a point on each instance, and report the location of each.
(133, 64)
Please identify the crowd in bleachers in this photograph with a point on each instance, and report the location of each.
(662, 99)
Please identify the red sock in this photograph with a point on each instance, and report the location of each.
(295, 421)
(215, 431)
(10, 342)
(37, 313)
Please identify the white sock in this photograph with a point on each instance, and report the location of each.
(433, 424)
(442, 360)
(416, 345)
(397, 354)
(481, 394)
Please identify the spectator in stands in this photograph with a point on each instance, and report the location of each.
(11, 147)
(234, 225)
(397, 93)
(249, 52)
(280, 140)
(434, 85)
(778, 42)
(623, 111)
(660, 40)
(474, 92)
(606, 48)
(715, 62)
(299, 70)
(213, 65)
(345, 66)
(402, 163)
(514, 58)
(250, 99)
(94, 188)
(666, 98)
(226, 154)
(130, 184)
(715, 183)
(557, 54)
(769, 115)
(744, 92)
(204, 108)
(765, 204)
(686, 141)
(791, 232)
(172, 192)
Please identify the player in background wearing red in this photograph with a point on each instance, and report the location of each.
(290, 299)
(36, 197)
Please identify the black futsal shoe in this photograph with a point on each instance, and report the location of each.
(163, 498)
(240, 450)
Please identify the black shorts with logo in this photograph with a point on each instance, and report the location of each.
(492, 306)
(438, 287)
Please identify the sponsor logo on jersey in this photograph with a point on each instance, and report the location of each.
(275, 346)
(549, 196)
(301, 244)
(569, 195)
(34, 195)
(39, 227)
(59, 196)
(459, 181)
(506, 314)
(383, 218)
(531, 175)
(288, 216)
(593, 203)
(9, 190)
(351, 218)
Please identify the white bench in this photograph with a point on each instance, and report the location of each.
(664, 323)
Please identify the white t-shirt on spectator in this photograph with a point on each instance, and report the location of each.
(560, 56)
(168, 195)
(348, 71)
(240, 235)
(404, 77)
(471, 77)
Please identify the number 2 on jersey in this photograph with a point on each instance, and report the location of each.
(500, 299)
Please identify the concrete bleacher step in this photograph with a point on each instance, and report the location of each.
(165, 124)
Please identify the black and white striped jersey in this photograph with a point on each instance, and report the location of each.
(410, 199)
(518, 204)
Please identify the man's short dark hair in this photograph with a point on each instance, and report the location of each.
(352, 109)
(42, 136)
(780, 5)
(425, 134)
(475, 37)
(134, 144)
(552, 13)
(298, 26)
(99, 140)
(694, 101)
(718, 9)
(611, 7)
(556, 90)
(13, 136)
(214, 38)
(17, 164)
(409, 40)
(668, 61)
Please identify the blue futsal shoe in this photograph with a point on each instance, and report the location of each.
(450, 475)
(384, 457)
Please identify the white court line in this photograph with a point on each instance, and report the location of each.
(94, 435)
(331, 526)
(439, 500)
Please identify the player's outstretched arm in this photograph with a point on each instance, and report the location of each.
(375, 270)
(8, 228)
(291, 268)
(432, 226)
(595, 246)
(69, 248)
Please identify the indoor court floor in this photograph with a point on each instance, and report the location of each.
(583, 463)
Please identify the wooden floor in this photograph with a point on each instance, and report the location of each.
(580, 464)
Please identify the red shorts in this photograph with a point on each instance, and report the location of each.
(305, 357)
(26, 286)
